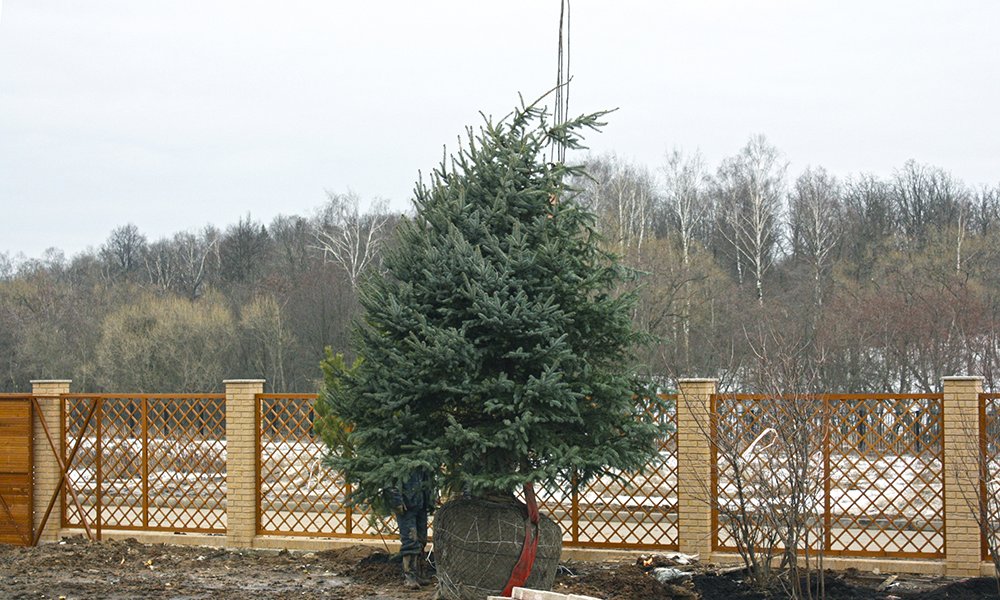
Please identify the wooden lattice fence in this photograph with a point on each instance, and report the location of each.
(874, 478)
(159, 463)
(300, 497)
(154, 462)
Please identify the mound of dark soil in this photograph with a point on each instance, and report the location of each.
(979, 588)
(625, 582)
(381, 569)
(733, 587)
(348, 555)
(377, 569)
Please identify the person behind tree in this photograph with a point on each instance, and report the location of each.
(411, 507)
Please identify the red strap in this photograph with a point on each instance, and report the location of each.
(522, 570)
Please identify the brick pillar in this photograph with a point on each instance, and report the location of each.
(961, 475)
(46, 468)
(694, 510)
(241, 460)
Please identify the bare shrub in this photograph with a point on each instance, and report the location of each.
(985, 502)
(770, 449)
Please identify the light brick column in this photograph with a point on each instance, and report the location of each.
(241, 460)
(46, 468)
(963, 549)
(694, 510)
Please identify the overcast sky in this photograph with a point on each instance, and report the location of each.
(175, 114)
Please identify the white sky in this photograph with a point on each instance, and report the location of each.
(175, 114)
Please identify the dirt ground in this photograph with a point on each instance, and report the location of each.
(128, 569)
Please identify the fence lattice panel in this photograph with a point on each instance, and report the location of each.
(153, 462)
(632, 510)
(298, 494)
(756, 455)
(873, 483)
(989, 418)
(886, 476)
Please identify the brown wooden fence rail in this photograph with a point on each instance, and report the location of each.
(876, 463)
(154, 462)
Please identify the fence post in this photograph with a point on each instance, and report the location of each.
(694, 452)
(241, 460)
(961, 475)
(46, 468)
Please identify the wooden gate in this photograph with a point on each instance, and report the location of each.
(15, 469)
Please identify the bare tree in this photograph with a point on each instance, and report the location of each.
(750, 189)
(293, 237)
(815, 224)
(161, 265)
(349, 237)
(985, 215)
(123, 251)
(869, 225)
(770, 452)
(978, 451)
(193, 253)
(685, 198)
(265, 339)
(687, 207)
(925, 198)
(243, 251)
(7, 268)
(165, 344)
(623, 195)
(988, 509)
(965, 213)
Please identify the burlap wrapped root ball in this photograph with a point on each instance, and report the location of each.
(477, 543)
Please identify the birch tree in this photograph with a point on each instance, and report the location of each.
(750, 189)
(194, 253)
(815, 224)
(623, 197)
(347, 236)
(687, 208)
(685, 198)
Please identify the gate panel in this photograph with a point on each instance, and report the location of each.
(15, 470)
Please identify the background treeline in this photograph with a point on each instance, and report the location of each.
(863, 284)
(181, 314)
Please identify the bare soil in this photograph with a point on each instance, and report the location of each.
(77, 569)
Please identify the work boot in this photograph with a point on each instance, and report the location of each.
(409, 572)
(423, 577)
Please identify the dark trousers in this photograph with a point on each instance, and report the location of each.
(412, 530)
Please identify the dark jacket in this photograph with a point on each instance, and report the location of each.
(415, 495)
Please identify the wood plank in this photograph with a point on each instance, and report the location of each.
(14, 460)
(15, 470)
(18, 509)
(15, 410)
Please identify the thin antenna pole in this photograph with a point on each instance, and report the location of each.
(562, 78)
(569, 29)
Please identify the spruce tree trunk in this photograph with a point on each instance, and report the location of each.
(477, 543)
